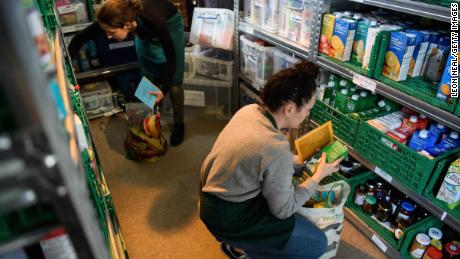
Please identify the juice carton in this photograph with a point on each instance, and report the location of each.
(398, 56)
(444, 85)
(342, 38)
(421, 47)
(327, 29)
(433, 39)
(370, 41)
(437, 60)
(450, 187)
(359, 44)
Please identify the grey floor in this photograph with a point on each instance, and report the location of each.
(156, 203)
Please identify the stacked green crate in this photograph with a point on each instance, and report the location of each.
(49, 16)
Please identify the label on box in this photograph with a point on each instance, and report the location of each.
(364, 82)
(379, 243)
(383, 174)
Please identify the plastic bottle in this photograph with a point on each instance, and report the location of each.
(340, 101)
(343, 83)
(353, 104)
(420, 140)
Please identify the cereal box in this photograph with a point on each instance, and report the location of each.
(342, 38)
(398, 56)
(421, 47)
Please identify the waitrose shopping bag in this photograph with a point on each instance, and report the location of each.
(330, 220)
(144, 141)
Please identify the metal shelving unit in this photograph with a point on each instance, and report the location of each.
(106, 71)
(40, 149)
(412, 7)
(386, 248)
(437, 114)
(75, 27)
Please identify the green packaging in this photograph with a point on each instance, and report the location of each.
(340, 100)
(334, 151)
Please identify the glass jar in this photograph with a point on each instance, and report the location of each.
(435, 233)
(432, 253)
(419, 245)
(395, 200)
(383, 211)
(381, 186)
(405, 211)
(370, 185)
(360, 194)
(369, 204)
(436, 244)
(346, 167)
(451, 250)
(419, 214)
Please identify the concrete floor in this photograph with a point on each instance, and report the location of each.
(156, 203)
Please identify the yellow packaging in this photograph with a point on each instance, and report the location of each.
(342, 38)
(327, 29)
(398, 55)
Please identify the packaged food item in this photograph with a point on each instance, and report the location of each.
(433, 39)
(360, 194)
(327, 28)
(383, 211)
(405, 212)
(419, 245)
(396, 198)
(435, 233)
(329, 93)
(334, 151)
(421, 140)
(369, 204)
(400, 134)
(423, 122)
(388, 105)
(410, 123)
(370, 41)
(421, 46)
(295, 25)
(354, 104)
(437, 130)
(359, 44)
(432, 253)
(444, 86)
(72, 13)
(342, 38)
(370, 186)
(437, 60)
(451, 250)
(340, 100)
(450, 187)
(398, 56)
(284, 17)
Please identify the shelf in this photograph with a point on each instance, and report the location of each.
(274, 39)
(106, 71)
(437, 114)
(206, 81)
(386, 248)
(16, 198)
(249, 82)
(436, 12)
(421, 200)
(26, 239)
(251, 92)
(75, 27)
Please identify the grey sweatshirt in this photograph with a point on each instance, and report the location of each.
(251, 156)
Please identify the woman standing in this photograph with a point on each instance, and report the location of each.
(159, 39)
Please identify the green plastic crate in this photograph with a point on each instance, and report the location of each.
(344, 126)
(416, 87)
(355, 66)
(433, 187)
(48, 14)
(457, 109)
(445, 3)
(410, 235)
(383, 232)
(407, 166)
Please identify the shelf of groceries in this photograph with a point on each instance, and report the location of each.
(419, 82)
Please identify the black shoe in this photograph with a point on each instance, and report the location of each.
(177, 135)
(231, 252)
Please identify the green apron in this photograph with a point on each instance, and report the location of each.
(248, 222)
(151, 55)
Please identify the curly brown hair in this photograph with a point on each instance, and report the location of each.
(116, 13)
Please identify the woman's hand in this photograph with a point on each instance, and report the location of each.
(158, 94)
(324, 169)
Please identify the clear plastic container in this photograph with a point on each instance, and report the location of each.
(214, 63)
(212, 27)
(97, 98)
(248, 8)
(189, 62)
(73, 13)
(284, 15)
(265, 63)
(248, 57)
(270, 20)
(300, 20)
(283, 60)
(257, 12)
(215, 100)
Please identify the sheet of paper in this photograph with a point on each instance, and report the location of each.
(142, 90)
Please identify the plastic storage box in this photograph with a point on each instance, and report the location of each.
(298, 20)
(216, 100)
(265, 63)
(270, 16)
(212, 27)
(72, 13)
(283, 61)
(97, 98)
(214, 63)
(248, 57)
(189, 63)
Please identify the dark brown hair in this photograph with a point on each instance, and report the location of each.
(116, 13)
(296, 84)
